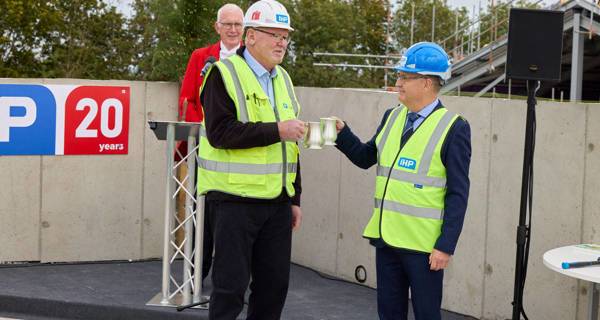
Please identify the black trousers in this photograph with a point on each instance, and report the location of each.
(252, 241)
(207, 243)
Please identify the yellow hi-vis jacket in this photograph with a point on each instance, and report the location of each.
(259, 172)
(410, 186)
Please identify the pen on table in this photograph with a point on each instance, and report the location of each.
(580, 264)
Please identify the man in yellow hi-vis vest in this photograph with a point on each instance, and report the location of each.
(248, 168)
(422, 152)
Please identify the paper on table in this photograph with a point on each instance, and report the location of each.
(589, 248)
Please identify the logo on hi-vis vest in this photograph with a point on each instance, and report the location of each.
(407, 163)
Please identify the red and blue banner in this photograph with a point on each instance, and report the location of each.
(63, 119)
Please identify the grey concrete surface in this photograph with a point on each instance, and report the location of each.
(358, 185)
(320, 190)
(590, 226)
(504, 194)
(111, 207)
(98, 292)
(91, 205)
(161, 100)
(20, 209)
(558, 194)
(465, 274)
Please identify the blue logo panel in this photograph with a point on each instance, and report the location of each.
(27, 120)
(281, 18)
(407, 163)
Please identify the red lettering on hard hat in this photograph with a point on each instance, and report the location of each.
(255, 15)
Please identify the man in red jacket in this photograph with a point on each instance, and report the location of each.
(229, 26)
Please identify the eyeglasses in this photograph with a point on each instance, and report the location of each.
(277, 37)
(231, 25)
(406, 78)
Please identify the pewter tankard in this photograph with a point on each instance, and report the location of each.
(313, 138)
(328, 131)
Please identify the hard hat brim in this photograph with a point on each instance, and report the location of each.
(268, 25)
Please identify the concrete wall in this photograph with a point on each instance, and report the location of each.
(79, 208)
(73, 208)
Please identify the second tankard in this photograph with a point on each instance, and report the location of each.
(313, 138)
(328, 131)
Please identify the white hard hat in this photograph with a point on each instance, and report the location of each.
(268, 14)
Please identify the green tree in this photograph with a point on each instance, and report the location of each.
(336, 26)
(92, 42)
(166, 32)
(445, 23)
(143, 29)
(63, 38)
(26, 25)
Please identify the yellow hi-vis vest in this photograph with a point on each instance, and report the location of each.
(410, 186)
(259, 172)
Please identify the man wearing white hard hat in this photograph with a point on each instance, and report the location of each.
(248, 168)
(422, 151)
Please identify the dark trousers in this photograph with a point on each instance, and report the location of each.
(399, 271)
(252, 240)
(207, 241)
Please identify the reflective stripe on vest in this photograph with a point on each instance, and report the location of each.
(245, 168)
(420, 177)
(414, 178)
(242, 168)
(288, 86)
(238, 91)
(397, 207)
(395, 113)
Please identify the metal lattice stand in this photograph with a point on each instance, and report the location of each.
(175, 293)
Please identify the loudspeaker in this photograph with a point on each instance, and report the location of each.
(534, 44)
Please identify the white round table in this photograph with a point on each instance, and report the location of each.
(554, 258)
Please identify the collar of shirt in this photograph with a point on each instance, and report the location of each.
(225, 53)
(424, 113)
(257, 68)
(263, 75)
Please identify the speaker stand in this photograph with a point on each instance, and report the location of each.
(524, 230)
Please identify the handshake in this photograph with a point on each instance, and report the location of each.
(315, 134)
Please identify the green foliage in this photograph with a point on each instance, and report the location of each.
(90, 39)
(445, 22)
(22, 42)
(63, 38)
(167, 31)
(356, 26)
(91, 43)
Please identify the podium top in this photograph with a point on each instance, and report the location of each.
(182, 129)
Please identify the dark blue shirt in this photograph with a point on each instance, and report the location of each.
(456, 157)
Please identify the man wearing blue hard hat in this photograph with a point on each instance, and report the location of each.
(422, 151)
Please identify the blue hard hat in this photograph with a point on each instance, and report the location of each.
(426, 58)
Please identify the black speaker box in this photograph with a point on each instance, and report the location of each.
(534, 44)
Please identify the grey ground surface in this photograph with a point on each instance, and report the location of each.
(121, 291)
